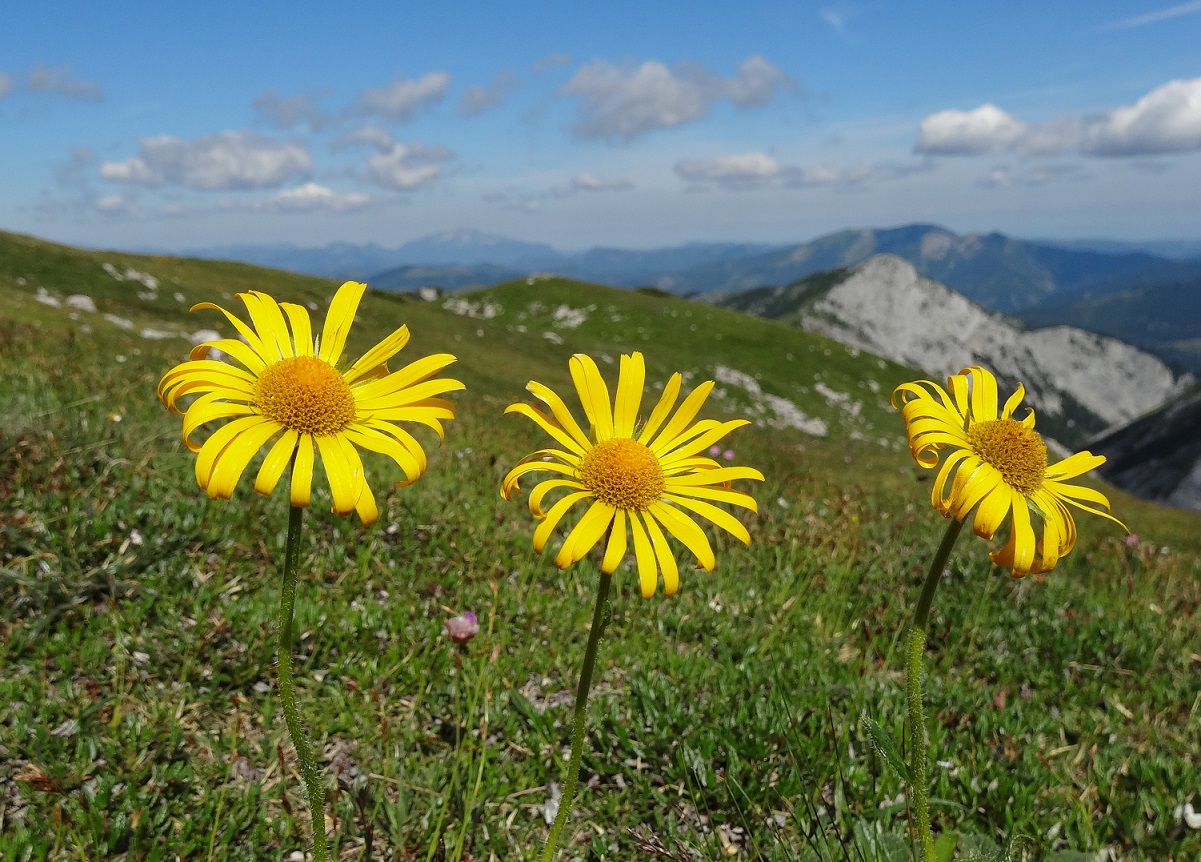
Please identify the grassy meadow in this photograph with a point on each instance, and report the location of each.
(138, 713)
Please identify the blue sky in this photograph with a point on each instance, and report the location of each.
(636, 124)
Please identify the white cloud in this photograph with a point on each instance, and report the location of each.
(1157, 16)
(552, 61)
(7, 84)
(623, 103)
(58, 79)
(755, 169)
(740, 169)
(478, 99)
(1165, 120)
(407, 166)
(400, 100)
(372, 136)
(312, 196)
(834, 18)
(289, 112)
(228, 160)
(986, 129)
(589, 182)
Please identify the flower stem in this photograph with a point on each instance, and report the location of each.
(287, 688)
(917, 716)
(600, 614)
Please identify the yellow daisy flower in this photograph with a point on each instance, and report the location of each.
(653, 478)
(288, 389)
(997, 465)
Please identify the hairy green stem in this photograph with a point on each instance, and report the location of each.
(920, 810)
(287, 688)
(599, 619)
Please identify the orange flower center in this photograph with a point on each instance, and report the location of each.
(623, 473)
(1015, 450)
(306, 394)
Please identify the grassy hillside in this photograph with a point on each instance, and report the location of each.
(138, 718)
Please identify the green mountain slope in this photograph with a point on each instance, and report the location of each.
(138, 712)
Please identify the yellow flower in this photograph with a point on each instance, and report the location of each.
(999, 465)
(651, 477)
(289, 389)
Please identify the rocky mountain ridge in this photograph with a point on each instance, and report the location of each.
(1079, 383)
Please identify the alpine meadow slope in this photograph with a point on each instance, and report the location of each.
(138, 712)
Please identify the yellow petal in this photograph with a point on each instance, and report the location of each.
(234, 458)
(275, 462)
(594, 395)
(302, 328)
(665, 556)
(208, 408)
(410, 395)
(544, 488)
(716, 476)
(684, 415)
(385, 387)
(252, 338)
(630, 382)
(648, 574)
(232, 347)
(666, 401)
(616, 547)
(1014, 400)
(685, 530)
(509, 487)
(993, 509)
(345, 484)
(559, 410)
(338, 320)
(543, 530)
(584, 535)
(544, 422)
(394, 442)
(1074, 465)
(675, 449)
(379, 354)
(216, 443)
(721, 495)
(367, 510)
(984, 394)
(269, 323)
(720, 517)
(302, 471)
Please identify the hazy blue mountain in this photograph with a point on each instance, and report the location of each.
(1163, 318)
(467, 247)
(446, 277)
(994, 270)
(1173, 249)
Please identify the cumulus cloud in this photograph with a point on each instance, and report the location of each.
(624, 103)
(756, 169)
(733, 170)
(290, 112)
(228, 160)
(552, 61)
(401, 100)
(1165, 120)
(985, 129)
(312, 196)
(589, 182)
(59, 79)
(478, 99)
(407, 166)
(7, 84)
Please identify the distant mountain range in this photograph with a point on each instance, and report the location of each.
(1148, 294)
(1081, 383)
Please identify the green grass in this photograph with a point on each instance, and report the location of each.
(138, 716)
